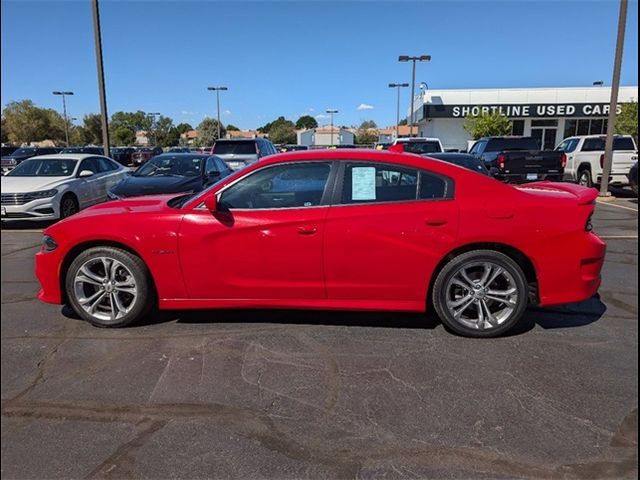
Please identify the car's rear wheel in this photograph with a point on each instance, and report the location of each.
(109, 287)
(482, 293)
(68, 205)
(585, 178)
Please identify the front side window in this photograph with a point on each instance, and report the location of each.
(89, 164)
(281, 186)
(374, 183)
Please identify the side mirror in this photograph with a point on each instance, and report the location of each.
(211, 202)
(85, 174)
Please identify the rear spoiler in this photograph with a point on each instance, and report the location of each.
(584, 195)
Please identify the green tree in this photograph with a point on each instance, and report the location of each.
(123, 136)
(487, 125)
(184, 128)
(208, 132)
(161, 132)
(232, 128)
(627, 120)
(403, 122)
(92, 123)
(282, 133)
(25, 122)
(3, 132)
(77, 135)
(134, 121)
(306, 122)
(366, 124)
(173, 137)
(280, 121)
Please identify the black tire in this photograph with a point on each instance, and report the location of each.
(585, 178)
(143, 301)
(68, 205)
(439, 293)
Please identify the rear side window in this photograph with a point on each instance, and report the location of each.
(106, 165)
(422, 148)
(568, 145)
(374, 183)
(234, 147)
(597, 144)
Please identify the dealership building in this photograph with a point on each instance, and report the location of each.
(548, 114)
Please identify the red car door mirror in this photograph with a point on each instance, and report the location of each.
(211, 202)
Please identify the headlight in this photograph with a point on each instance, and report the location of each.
(48, 244)
(41, 194)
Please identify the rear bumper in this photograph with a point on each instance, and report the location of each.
(615, 179)
(575, 279)
(48, 273)
(520, 178)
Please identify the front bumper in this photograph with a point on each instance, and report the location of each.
(47, 271)
(40, 209)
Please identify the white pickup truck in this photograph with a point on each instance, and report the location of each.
(585, 158)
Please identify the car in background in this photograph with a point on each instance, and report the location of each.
(171, 173)
(238, 153)
(57, 186)
(142, 154)
(463, 160)
(419, 145)
(633, 178)
(179, 150)
(8, 150)
(408, 235)
(382, 146)
(585, 159)
(122, 155)
(9, 162)
(292, 148)
(516, 159)
(88, 149)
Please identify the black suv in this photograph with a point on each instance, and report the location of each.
(21, 154)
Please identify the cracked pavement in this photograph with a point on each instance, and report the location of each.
(307, 394)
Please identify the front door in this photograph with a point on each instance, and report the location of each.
(266, 240)
(392, 227)
(545, 131)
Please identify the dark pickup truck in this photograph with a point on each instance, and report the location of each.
(519, 159)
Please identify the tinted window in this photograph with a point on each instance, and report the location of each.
(365, 183)
(568, 145)
(433, 187)
(89, 164)
(282, 186)
(24, 151)
(505, 144)
(597, 144)
(422, 147)
(234, 147)
(44, 168)
(478, 147)
(183, 165)
(106, 165)
(212, 165)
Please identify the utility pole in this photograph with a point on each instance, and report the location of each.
(64, 110)
(101, 89)
(613, 103)
(153, 116)
(217, 90)
(398, 86)
(406, 58)
(331, 112)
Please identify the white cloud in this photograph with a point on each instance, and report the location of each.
(188, 113)
(227, 112)
(321, 117)
(365, 106)
(312, 109)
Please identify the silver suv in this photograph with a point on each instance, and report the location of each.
(238, 153)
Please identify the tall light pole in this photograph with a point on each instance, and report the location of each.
(217, 90)
(406, 58)
(613, 103)
(153, 116)
(398, 86)
(331, 112)
(64, 110)
(101, 90)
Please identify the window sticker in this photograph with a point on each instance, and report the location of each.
(363, 183)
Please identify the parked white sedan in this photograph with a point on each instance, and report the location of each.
(56, 186)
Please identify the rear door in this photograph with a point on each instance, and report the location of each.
(387, 229)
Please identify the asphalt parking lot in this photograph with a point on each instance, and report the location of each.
(290, 394)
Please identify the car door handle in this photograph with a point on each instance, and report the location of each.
(307, 230)
(435, 222)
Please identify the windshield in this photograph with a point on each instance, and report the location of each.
(170, 165)
(234, 148)
(514, 144)
(421, 147)
(44, 168)
(24, 151)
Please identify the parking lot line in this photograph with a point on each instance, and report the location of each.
(619, 237)
(617, 206)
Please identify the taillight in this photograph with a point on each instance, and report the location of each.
(589, 226)
(502, 160)
(564, 160)
(602, 161)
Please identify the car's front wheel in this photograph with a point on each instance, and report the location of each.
(68, 205)
(109, 287)
(482, 293)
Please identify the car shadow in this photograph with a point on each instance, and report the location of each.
(8, 225)
(566, 316)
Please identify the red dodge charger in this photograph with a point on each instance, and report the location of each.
(341, 229)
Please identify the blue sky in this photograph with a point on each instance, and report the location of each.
(296, 57)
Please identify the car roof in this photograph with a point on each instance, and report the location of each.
(183, 154)
(66, 156)
(451, 155)
(417, 139)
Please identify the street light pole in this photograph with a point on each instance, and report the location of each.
(153, 116)
(406, 58)
(613, 103)
(331, 112)
(64, 110)
(398, 86)
(217, 90)
(101, 89)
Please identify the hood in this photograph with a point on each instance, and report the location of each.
(11, 184)
(132, 186)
